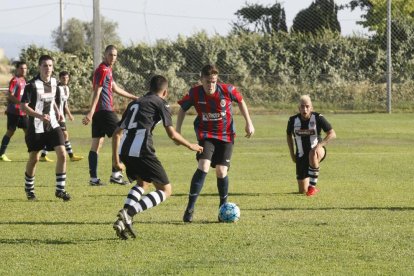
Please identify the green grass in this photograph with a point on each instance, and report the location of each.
(361, 223)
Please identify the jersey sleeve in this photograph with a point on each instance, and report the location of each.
(187, 101)
(13, 86)
(235, 95)
(325, 125)
(27, 94)
(289, 128)
(99, 77)
(165, 113)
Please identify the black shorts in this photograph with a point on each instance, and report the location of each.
(16, 121)
(104, 123)
(218, 152)
(50, 139)
(147, 168)
(302, 166)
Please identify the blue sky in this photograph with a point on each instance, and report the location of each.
(25, 21)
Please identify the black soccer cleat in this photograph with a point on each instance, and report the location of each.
(188, 215)
(118, 180)
(98, 182)
(127, 220)
(119, 228)
(62, 195)
(31, 196)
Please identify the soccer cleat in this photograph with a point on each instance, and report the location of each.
(127, 220)
(188, 215)
(4, 158)
(119, 228)
(312, 190)
(31, 196)
(76, 158)
(45, 159)
(63, 195)
(118, 180)
(97, 182)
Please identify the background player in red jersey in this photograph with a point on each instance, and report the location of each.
(214, 129)
(102, 114)
(16, 117)
(305, 129)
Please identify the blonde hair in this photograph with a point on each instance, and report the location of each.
(305, 98)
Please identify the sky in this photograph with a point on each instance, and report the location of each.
(25, 22)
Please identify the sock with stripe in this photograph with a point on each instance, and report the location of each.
(29, 183)
(313, 176)
(68, 148)
(44, 152)
(134, 195)
(148, 201)
(60, 182)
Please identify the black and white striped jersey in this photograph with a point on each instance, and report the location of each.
(40, 96)
(138, 122)
(307, 133)
(62, 96)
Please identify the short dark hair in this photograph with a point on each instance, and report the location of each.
(17, 64)
(209, 70)
(63, 73)
(158, 83)
(110, 48)
(44, 58)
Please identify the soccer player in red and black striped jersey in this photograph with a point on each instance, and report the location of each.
(16, 117)
(304, 129)
(102, 114)
(215, 131)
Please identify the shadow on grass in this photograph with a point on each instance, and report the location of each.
(235, 194)
(52, 223)
(54, 242)
(397, 209)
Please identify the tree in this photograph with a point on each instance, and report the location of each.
(376, 12)
(261, 19)
(319, 16)
(78, 35)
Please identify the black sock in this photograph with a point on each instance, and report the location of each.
(197, 183)
(223, 189)
(4, 143)
(93, 164)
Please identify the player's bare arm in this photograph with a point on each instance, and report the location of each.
(249, 128)
(289, 140)
(177, 138)
(67, 111)
(59, 116)
(95, 97)
(180, 120)
(330, 135)
(116, 136)
(118, 90)
(12, 99)
(30, 112)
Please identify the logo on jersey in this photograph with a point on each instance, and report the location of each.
(304, 132)
(223, 103)
(211, 117)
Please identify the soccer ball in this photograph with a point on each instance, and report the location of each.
(229, 212)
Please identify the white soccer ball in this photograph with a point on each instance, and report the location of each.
(229, 212)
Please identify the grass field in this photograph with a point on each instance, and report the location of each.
(361, 223)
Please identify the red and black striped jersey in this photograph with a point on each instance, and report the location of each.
(102, 77)
(214, 112)
(16, 89)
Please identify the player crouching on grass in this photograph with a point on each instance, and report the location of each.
(305, 129)
(137, 153)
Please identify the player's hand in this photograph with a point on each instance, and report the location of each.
(45, 117)
(119, 166)
(197, 148)
(87, 119)
(249, 129)
(71, 117)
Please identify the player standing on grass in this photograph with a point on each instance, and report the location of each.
(62, 96)
(102, 114)
(44, 130)
(16, 117)
(215, 131)
(305, 129)
(136, 151)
